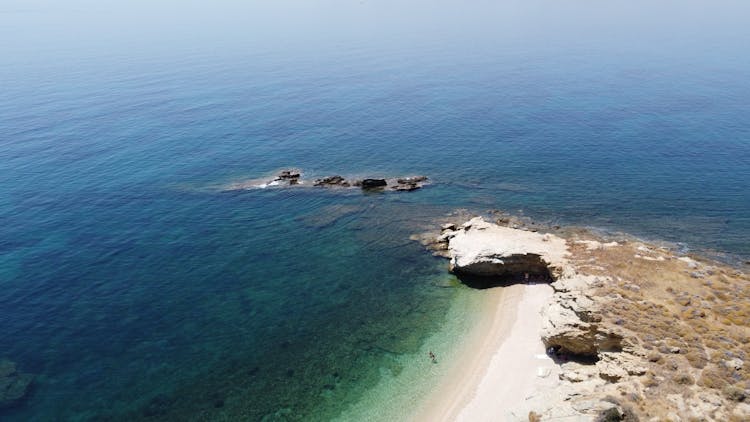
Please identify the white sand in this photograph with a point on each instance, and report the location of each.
(503, 365)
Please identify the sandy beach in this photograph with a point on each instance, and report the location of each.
(504, 361)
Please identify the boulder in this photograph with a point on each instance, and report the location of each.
(288, 175)
(572, 319)
(373, 183)
(735, 364)
(571, 323)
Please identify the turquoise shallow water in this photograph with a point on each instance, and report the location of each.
(133, 289)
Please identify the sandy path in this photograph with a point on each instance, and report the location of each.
(504, 361)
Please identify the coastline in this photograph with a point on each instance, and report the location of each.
(622, 316)
(466, 323)
(502, 360)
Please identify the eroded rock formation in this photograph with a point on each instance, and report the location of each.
(572, 323)
(483, 249)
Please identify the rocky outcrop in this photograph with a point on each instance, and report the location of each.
(409, 183)
(293, 177)
(289, 176)
(572, 323)
(482, 249)
(332, 181)
(14, 385)
(373, 183)
(394, 184)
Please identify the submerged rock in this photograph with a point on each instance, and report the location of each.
(409, 183)
(415, 179)
(7, 368)
(14, 385)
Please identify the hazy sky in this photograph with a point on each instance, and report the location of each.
(33, 30)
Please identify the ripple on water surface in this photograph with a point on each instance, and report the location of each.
(191, 306)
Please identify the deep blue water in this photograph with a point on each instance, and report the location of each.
(132, 288)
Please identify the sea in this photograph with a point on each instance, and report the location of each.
(134, 287)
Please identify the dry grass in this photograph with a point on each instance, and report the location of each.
(688, 320)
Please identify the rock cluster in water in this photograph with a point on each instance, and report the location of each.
(396, 184)
(289, 176)
(293, 177)
(14, 385)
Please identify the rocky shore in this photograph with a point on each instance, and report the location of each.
(293, 177)
(637, 331)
